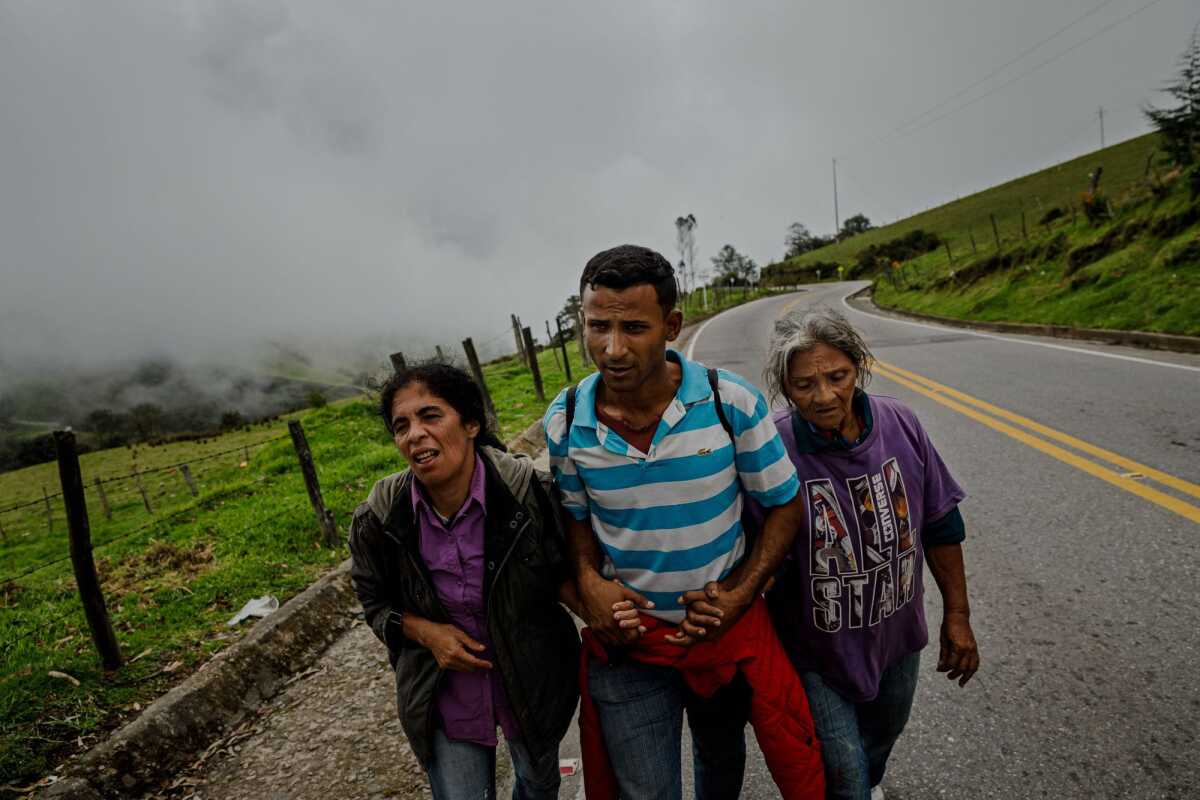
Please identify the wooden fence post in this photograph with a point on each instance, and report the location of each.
(562, 343)
(137, 479)
(440, 356)
(550, 344)
(49, 516)
(103, 500)
(974, 249)
(81, 552)
(949, 255)
(1024, 230)
(246, 454)
(309, 469)
(3, 535)
(533, 364)
(995, 230)
(477, 371)
(187, 478)
(516, 325)
(583, 354)
(398, 362)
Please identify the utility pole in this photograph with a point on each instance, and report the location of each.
(1101, 115)
(837, 223)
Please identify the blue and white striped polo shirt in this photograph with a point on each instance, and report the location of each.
(670, 520)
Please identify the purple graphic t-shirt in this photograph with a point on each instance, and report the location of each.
(857, 606)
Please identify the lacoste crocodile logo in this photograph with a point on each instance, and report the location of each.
(704, 451)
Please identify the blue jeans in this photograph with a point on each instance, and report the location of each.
(857, 738)
(641, 715)
(467, 771)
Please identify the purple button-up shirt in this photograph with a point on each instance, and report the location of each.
(470, 704)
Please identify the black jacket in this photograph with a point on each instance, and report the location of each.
(534, 640)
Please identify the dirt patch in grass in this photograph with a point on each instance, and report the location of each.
(162, 564)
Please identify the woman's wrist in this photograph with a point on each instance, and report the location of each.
(415, 628)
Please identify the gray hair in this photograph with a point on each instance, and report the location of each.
(800, 331)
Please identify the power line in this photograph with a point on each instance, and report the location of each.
(1004, 66)
(899, 133)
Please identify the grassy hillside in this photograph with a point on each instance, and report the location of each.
(172, 578)
(1124, 165)
(1138, 269)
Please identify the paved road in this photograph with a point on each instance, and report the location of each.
(1083, 584)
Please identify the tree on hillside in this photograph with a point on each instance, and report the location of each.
(8, 410)
(1180, 125)
(146, 420)
(854, 226)
(569, 315)
(801, 240)
(733, 268)
(571, 307)
(685, 243)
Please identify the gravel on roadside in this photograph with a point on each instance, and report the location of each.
(333, 732)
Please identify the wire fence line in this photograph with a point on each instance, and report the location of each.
(166, 519)
(164, 468)
(75, 611)
(39, 501)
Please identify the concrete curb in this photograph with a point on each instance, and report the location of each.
(180, 724)
(1144, 339)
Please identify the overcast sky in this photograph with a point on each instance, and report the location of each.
(197, 176)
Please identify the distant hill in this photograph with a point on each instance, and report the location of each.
(1124, 164)
(1126, 258)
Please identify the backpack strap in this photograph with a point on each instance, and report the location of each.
(570, 408)
(712, 381)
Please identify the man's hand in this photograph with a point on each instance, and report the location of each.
(712, 610)
(610, 609)
(959, 656)
(452, 647)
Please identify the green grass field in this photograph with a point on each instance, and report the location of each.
(173, 578)
(1124, 165)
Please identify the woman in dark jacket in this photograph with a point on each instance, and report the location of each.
(460, 566)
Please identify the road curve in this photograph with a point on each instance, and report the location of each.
(1083, 516)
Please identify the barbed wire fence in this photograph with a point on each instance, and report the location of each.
(104, 513)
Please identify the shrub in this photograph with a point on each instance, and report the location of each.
(1052, 215)
(315, 399)
(913, 244)
(1095, 207)
(232, 419)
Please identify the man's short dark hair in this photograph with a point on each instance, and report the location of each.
(630, 265)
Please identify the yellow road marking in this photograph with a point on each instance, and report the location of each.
(1180, 507)
(1099, 452)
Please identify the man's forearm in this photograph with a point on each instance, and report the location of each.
(583, 548)
(946, 563)
(772, 545)
(568, 595)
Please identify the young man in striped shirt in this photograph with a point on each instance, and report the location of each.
(654, 480)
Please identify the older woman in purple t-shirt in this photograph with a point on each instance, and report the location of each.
(880, 503)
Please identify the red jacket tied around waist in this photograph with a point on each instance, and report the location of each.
(778, 709)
